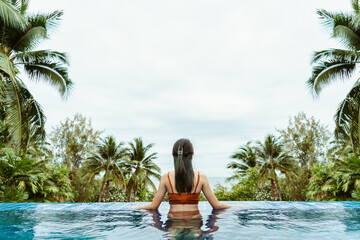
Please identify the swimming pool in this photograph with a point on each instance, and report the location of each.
(249, 220)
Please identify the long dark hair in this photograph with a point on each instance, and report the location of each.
(184, 174)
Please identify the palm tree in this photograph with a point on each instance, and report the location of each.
(110, 160)
(273, 158)
(143, 167)
(335, 64)
(245, 158)
(347, 121)
(18, 52)
(341, 64)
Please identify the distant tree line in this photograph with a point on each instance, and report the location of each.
(302, 163)
(77, 165)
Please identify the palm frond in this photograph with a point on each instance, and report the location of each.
(33, 119)
(53, 73)
(332, 20)
(347, 125)
(14, 113)
(30, 39)
(338, 55)
(7, 66)
(46, 20)
(11, 16)
(326, 72)
(237, 166)
(347, 37)
(355, 6)
(21, 5)
(355, 22)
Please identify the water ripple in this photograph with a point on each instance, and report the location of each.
(247, 220)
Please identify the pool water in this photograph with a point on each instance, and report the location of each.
(247, 220)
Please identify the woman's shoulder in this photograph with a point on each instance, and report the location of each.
(168, 173)
(202, 175)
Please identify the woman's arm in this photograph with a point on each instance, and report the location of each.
(159, 196)
(211, 196)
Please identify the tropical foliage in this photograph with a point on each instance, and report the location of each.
(336, 180)
(20, 33)
(111, 171)
(245, 158)
(109, 159)
(245, 189)
(73, 141)
(300, 165)
(274, 159)
(143, 169)
(341, 64)
(24, 178)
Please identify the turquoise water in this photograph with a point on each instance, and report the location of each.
(248, 220)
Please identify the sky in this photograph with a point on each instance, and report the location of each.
(220, 73)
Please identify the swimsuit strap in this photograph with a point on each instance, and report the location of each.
(197, 183)
(170, 183)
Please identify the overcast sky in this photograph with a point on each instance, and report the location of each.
(220, 73)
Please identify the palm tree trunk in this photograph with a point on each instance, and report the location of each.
(126, 190)
(107, 190)
(293, 188)
(273, 189)
(102, 189)
(135, 191)
(129, 190)
(278, 189)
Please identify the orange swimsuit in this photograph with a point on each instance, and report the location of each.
(184, 198)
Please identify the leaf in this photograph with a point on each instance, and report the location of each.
(338, 55)
(53, 73)
(30, 39)
(333, 20)
(347, 36)
(7, 67)
(326, 72)
(355, 6)
(10, 16)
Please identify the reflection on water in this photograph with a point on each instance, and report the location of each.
(303, 220)
(186, 227)
(337, 223)
(117, 221)
(125, 224)
(29, 224)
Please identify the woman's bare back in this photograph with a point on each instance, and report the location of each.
(184, 207)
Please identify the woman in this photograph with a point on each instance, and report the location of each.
(184, 185)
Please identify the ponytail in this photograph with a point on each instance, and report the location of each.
(184, 173)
